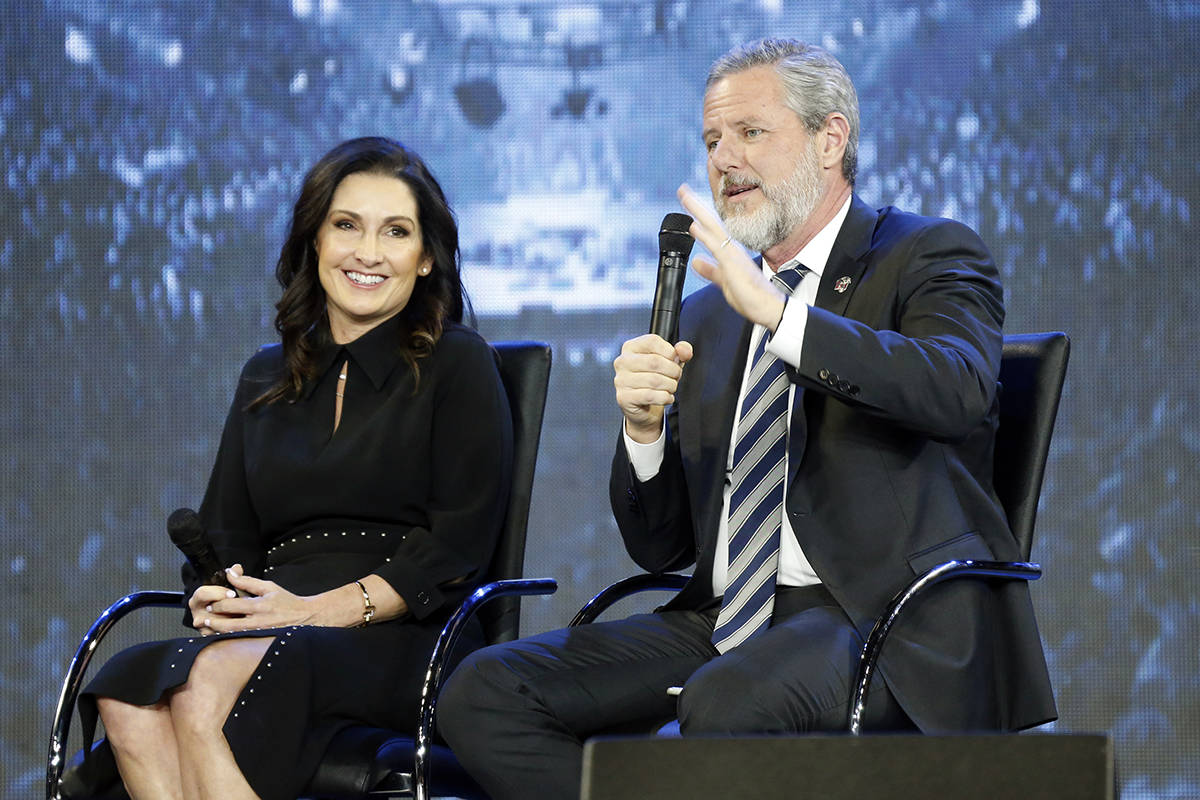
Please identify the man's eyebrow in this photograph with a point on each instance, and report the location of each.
(746, 122)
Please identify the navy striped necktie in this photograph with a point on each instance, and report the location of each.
(756, 496)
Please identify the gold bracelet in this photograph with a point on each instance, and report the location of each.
(368, 609)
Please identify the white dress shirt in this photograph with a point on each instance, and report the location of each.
(786, 344)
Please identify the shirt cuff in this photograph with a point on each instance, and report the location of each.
(646, 459)
(788, 339)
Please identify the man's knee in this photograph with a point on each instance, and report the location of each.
(724, 698)
(479, 683)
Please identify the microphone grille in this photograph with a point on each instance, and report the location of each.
(184, 526)
(673, 234)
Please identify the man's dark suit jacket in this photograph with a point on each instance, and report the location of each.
(890, 463)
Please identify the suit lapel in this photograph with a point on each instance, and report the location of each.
(848, 258)
(717, 367)
(843, 272)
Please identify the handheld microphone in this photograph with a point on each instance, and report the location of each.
(188, 534)
(674, 247)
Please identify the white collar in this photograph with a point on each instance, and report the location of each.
(815, 255)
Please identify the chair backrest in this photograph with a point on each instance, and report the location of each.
(1032, 369)
(525, 371)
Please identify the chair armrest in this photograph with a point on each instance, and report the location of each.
(1011, 570)
(446, 640)
(73, 681)
(625, 588)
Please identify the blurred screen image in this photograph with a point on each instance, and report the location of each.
(152, 150)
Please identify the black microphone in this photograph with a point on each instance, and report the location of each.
(188, 534)
(674, 247)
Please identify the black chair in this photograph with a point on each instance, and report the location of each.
(1033, 367)
(362, 761)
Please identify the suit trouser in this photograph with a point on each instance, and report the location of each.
(517, 714)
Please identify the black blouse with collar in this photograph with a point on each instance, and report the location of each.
(412, 486)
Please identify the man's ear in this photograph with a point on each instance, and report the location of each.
(832, 140)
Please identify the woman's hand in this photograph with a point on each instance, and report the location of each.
(264, 604)
(201, 605)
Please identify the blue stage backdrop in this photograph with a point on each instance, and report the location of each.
(151, 151)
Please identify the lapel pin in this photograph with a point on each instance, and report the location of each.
(842, 284)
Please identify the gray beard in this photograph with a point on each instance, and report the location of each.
(788, 204)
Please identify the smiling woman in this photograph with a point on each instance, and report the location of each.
(353, 535)
(369, 253)
(358, 190)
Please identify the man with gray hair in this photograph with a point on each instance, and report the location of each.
(821, 433)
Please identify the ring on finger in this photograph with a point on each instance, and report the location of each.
(728, 239)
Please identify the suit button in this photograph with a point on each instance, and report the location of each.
(423, 598)
(854, 390)
(843, 386)
(823, 374)
(632, 499)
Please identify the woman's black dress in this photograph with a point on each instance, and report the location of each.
(412, 487)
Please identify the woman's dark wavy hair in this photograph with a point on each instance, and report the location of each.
(436, 297)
